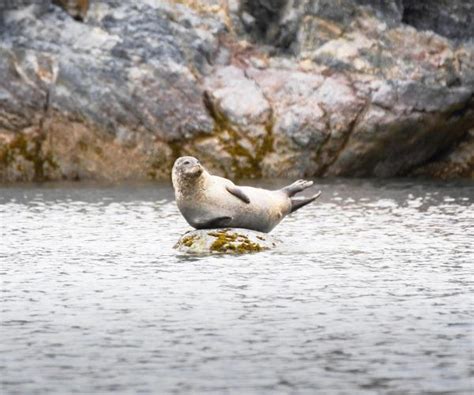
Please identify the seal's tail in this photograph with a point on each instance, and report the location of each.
(296, 187)
(297, 203)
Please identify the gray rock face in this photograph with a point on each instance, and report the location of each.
(225, 241)
(253, 88)
(278, 22)
(129, 77)
(449, 18)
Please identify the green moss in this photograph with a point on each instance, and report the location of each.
(188, 241)
(157, 164)
(5, 156)
(232, 242)
(31, 151)
(49, 160)
(82, 145)
(245, 164)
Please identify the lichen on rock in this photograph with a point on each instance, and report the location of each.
(225, 241)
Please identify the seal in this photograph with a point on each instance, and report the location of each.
(208, 201)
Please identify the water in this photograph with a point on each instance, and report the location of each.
(371, 293)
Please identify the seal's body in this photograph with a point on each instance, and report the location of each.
(208, 201)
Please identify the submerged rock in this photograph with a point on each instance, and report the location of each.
(225, 241)
(118, 89)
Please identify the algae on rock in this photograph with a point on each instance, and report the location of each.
(225, 241)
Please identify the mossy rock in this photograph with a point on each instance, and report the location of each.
(225, 241)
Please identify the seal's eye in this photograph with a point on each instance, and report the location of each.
(187, 162)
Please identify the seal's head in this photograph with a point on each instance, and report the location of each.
(186, 169)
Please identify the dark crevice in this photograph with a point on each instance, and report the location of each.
(461, 119)
(453, 19)
(77, 9)
(324, 170)
(262, 20)
(266, 14)
(38, 158)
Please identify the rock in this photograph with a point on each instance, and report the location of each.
(310, 112)
(449, 18)
(127, 77)
(253, 88)
(457, 162)
(225, 241)
(238, 100)
(284, 22)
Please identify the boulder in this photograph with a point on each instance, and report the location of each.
(225, 241)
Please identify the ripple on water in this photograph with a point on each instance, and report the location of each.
(370, 292)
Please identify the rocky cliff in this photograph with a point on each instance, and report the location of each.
(285, 88)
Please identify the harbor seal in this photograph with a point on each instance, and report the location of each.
(208, 201)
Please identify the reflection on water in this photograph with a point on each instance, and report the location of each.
(371, 292)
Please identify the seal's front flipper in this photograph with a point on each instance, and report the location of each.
(237, 192)
(298, 203)
(219, 222)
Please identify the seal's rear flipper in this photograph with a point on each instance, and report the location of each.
(296, 187)
(219, 222)
(298, 203)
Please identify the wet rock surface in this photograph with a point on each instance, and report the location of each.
(118, 90)
(225, 241)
